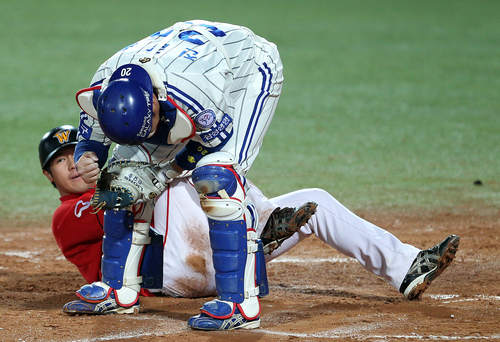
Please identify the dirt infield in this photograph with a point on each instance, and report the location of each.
(316, 293)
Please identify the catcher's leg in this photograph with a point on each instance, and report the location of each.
(123, 244)
(238, 257)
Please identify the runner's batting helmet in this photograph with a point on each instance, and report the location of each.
(54, 140)
(125, 106)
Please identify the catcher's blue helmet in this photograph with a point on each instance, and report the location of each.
(125, 106)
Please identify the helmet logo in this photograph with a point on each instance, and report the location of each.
(145, 60)
(62, 136)
(146, 123)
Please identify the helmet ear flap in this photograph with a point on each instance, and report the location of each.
(87, 100)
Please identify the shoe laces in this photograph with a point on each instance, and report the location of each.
(425, 261)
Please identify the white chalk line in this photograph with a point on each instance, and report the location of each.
(357, 334)
(24, 255)
(298, 260)
(456, 298)
(36, 256)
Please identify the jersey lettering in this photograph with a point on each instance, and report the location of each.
(160, 34)
(202, 151)
(162, 48)
(189, 54)
(187, 35)
(151, 49)
(84, 129)
(218, 130)
(214, 30)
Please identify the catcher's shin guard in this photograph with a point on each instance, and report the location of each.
(122, 247)
(232, 221)
(119, 230)
(123, 244)
(240, 271)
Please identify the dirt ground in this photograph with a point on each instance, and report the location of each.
(317, 294)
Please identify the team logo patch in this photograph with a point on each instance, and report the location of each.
(218, 130)
(62, 136)
(205, 119)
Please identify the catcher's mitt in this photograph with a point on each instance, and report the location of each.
(283, 223)
(126, 182)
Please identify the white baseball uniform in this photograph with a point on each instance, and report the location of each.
(227, 72)
(224, 82)
(188, 269)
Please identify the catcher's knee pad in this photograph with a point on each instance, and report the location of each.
(210, 179)
(214, 173)
(222, 193)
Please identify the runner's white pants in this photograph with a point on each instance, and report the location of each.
(188, 270)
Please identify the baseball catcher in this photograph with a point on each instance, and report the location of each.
(195, 98)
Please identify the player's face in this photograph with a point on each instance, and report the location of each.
(63, 173)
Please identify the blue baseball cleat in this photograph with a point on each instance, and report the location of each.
(236, 321)
(104, 307)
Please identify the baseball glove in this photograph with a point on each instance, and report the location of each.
(283, 223)
(126, 182)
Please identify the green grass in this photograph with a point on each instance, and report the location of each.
(386, 104)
